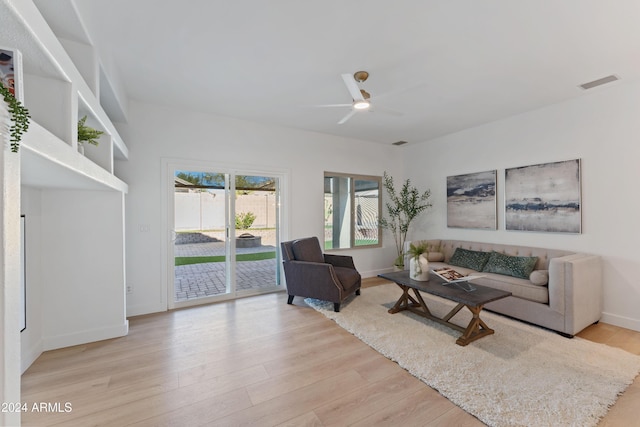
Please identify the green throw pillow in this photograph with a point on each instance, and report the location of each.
(516, 266)
(474, 260)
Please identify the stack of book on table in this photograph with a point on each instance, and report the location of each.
(449, 275)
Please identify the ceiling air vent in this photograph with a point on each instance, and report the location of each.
(599, 82)
(399, 142)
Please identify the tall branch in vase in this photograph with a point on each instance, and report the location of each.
(402, 209)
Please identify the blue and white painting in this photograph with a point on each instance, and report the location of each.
(471, 200)
(544, 197)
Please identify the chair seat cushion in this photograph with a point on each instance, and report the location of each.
(349, 278)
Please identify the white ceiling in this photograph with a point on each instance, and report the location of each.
(446, 65)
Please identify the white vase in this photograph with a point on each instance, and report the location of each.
(423, 275)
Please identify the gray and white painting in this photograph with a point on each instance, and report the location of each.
(544, 197)
(471, 200)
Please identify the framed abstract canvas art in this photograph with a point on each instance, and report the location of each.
(544, 197)
(471, 200)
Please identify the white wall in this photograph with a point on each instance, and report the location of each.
(208, 138)
(82, 272)
(31, 337)
(602, 129)
(9, 272)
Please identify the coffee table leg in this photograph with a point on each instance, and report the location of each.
(423, 304)
(404, 302)
(401, 304)
(476, 328)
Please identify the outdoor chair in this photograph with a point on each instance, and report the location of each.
(312, 274)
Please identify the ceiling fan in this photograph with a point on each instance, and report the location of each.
(361, 98)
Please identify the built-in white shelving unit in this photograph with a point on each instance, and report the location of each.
(61, 85)
(73, 203)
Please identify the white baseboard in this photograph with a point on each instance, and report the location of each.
(621, 321)
(374, 273)
(86, 336)
(139, 310)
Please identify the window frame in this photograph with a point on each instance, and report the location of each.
(353, 226)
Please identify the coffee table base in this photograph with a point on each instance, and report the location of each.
(475, 330)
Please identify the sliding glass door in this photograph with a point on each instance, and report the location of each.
(256, 243)
(225, 235)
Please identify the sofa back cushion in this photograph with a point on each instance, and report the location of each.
(307, 249)
(435, 256)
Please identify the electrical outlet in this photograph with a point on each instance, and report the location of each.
(129, 289)
(144, 228)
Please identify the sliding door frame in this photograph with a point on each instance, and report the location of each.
(169, 166)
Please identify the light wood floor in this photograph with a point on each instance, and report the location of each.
(255, 361)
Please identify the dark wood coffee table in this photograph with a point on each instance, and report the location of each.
(473, 300)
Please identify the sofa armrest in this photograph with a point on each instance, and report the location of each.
(575, 289)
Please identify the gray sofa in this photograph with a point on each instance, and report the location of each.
(569, 300)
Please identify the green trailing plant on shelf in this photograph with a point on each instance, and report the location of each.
(19, 116)
(87, 133)
(402, 208)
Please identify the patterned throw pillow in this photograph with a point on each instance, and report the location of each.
(516, 266)
(474, 260)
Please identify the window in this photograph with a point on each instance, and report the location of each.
(352, 207)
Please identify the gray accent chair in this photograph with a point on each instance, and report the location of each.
(312, 274)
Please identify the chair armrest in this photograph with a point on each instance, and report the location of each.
(340, 260)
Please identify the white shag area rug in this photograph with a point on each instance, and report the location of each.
(520, 376)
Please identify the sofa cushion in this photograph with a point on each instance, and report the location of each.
(474, 260)
(435, 256)
(539, 277)
(307, 249)
(516, 266)
(520, 288)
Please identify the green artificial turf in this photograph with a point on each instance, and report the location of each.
(186, 260)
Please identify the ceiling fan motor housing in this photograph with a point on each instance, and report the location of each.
(360, 76)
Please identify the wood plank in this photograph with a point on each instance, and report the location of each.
(214, 365)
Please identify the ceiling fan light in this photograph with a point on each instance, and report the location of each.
(361, 105)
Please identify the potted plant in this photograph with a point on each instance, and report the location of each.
(87, 133)
(402, 209)
(19, 116)
(418, 263)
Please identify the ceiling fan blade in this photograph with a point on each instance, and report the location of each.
(347, 117)
(352, 86)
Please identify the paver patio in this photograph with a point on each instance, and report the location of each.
(208, 279)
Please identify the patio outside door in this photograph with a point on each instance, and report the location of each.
(225, 236)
